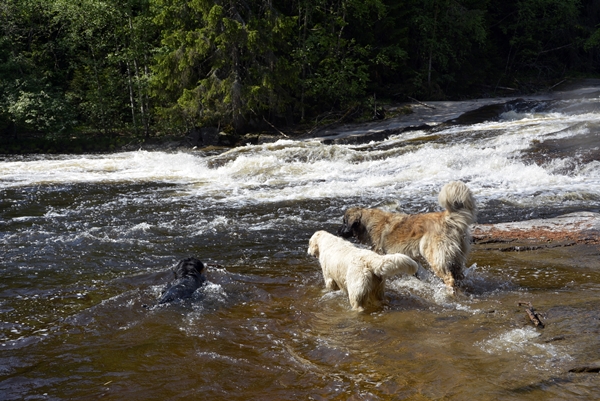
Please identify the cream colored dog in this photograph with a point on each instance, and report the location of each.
(358, 272)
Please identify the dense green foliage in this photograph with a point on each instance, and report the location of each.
(106, 67)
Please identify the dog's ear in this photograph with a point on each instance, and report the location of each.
(177, 267)
(196, 265)
(354, 217)
(357, 218)
(350, 223)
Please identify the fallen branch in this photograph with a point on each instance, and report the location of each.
(555, 85)
(585, 369)
(421, 103)
(500, 87)
(557, 338)
(506, 88)
(531, 313)
(275, 128)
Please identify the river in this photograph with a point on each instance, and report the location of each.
(88, 240)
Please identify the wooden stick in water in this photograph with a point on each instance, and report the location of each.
(532, 314)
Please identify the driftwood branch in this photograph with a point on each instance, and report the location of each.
(421, 103)
(532, 314)
(585, 369)
(555, 85)
(495, 87)
(506, 88)
(557, 338)
(275, 128)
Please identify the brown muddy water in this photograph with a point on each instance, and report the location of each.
(87, 241)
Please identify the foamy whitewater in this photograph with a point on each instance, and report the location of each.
(492, 165)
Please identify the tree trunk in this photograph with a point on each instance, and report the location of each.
(143, 111)
(99, 92)
(131, 97)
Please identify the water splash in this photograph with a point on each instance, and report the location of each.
(522, 342)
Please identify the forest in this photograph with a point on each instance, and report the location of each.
(98, 70)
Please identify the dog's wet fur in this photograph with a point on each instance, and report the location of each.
(442, 239)
(189, 276)
(359, 272)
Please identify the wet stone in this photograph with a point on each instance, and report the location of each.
(568, 229)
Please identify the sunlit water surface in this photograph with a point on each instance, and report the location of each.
(87, 241)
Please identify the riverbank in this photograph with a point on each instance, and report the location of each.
(426, 116)
(566, 230)
(571, 240)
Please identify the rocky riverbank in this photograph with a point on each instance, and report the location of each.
(565, 230)
(568, 241)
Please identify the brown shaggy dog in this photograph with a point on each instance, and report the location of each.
(441, 238)
(358, 272)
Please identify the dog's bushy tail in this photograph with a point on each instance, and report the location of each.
(458, 200)
(395, 263)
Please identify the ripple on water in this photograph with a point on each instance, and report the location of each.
(524, 343)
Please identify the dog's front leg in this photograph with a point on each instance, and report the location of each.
(450, 283)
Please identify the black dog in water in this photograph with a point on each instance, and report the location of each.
(189, 275)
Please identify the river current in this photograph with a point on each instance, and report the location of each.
(87, 241)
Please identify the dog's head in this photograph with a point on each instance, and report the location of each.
(313, 244)
(351, 223)
(188, 267)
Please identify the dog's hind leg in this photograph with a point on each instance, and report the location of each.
(450, 282)
(359, 286)
(355, 296)
(436, 254)
(357, 300)
(330, 284)
(445, 274)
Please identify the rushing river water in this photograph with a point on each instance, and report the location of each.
(87, 241)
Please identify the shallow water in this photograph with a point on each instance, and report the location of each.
(87, 241)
